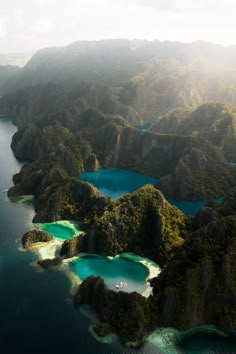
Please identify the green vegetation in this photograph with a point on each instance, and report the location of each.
(142, 222)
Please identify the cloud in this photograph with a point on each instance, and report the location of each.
(42, 25)
(162, 5)
(29, 25)
(3, 26)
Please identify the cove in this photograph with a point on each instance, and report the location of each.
(61, 229)
(113, 271)
(190, 208)
(114, 182)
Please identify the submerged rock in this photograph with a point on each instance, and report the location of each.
(34, 236)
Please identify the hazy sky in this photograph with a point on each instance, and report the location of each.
(27, 25)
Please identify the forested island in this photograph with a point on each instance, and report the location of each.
(81, 109)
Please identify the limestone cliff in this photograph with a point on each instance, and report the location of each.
(214, 121)
(129, 321)
(142, 222)
(198, 286)
(34, 236)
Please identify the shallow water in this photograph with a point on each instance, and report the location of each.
(190, 208)
(145, 127)
(62, 230)
(115, 183)
(112, 271)
(35, 314)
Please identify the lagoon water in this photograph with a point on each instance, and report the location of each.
(112, 271)
(35, 314)
(114, 182)
(145, 127)
(61, 230)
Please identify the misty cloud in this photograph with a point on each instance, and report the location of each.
(162, 5)
(30, 25)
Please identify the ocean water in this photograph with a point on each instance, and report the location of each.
(113, 271)
(36, 311)
(114, 182)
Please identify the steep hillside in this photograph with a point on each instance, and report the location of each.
(6, 73)
(189, 168)
(150, 77)
(214, 121)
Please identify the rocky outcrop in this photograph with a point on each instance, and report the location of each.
(56, 195)
(142, 222)
(48, 263)
(203, 217)
(102, 329)
(70, 248)
(214, 121)
(128, 321)
(34, 236)
(192, 178)
(42, 140)
(200, 280)
(185, 165)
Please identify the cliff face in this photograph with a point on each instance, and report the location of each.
(56, 102)
(129, 321)
(56, 195)
(215, 122)
(185, 165)
(198, 286)
(142, 222)
(192, 178)
(189, 168)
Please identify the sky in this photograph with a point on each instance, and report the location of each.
(28, 25)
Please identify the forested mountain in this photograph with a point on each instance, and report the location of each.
(150, 77)
(77, 109)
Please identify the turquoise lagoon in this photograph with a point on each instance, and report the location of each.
(190, 208)
(114, 182)
(113, 270)
(61, 229)
(144, 127)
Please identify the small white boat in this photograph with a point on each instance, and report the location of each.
(121, 285)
